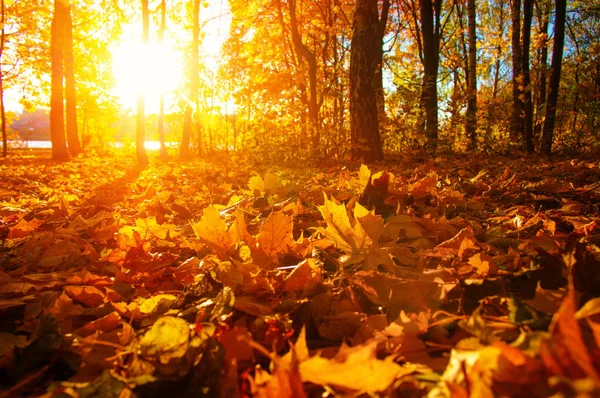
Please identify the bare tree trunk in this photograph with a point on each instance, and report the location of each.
(140, 136)
(70, 87)
(543, 15)
(364, 126)
(516, 120)
(57, 121)
(429, 16)
(2, 110)
(161, 111)
(194, 85)
(528, 104)
(492, 106)
(557, 52)
(472, 76)
(303, 52)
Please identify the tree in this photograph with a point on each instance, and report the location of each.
(516, 119)
(303, 52)
(2, 110)
(365, 59)
(543, 20)
(430, 30)
(471, 123)
(527, 103)
(57, 127)
(161, 111)
(140, 130)
(70, 88)
(194, 84)
(557, 52)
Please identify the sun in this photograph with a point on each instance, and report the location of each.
(152, 68)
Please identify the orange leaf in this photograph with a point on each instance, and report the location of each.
(275, 237)
(24, 228)
(212, 229)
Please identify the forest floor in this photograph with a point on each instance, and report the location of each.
(451, 276)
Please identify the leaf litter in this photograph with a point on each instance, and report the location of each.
(424, 277)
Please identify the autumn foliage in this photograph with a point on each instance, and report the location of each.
(427, 276)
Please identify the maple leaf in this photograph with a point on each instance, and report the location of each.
(213, 230)
(341, 371)
(347, 237)
(24, 228)
(149, 225)
(275, 236)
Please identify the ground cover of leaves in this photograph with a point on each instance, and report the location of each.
(422, 276)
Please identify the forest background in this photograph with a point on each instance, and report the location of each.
(293, 80)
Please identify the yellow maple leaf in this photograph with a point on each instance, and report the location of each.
(212, 229)
(149, 225)
(348, 235)
(375, 374)
(275, 236)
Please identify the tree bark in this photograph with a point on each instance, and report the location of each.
(161, 111)
(57, 122)
(194, 85)
(140, 136)
(557, 52)
(471, 115)
(70, 86)
(516, 120)
(498, 56)
(2, 110)
(429, 26)
(528, 104)
(543, 15)
(364, 126)
(303, 52)
(381, 115)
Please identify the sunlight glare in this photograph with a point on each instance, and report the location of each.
(152, 69)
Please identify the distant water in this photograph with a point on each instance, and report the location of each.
(150, 145)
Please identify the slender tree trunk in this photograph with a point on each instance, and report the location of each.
(57, 121)
(200, 130)
(498, 56)
(2, 110)
(543, 13)
(381, 115)
(430, 61)
(140, 136)
(516, 120)
(472, 76)
(364, 126)
(194, 85)
(528, 104)
(557, 52)
(303, 52)
(70, 87)
(161, 111)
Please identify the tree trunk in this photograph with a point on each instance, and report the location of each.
(194, 85)
(140, 136)
(161, 111)
(528, 104)
(381, 115)
(557, 52)
(57, 122)
(498, 55)
(303, 52)
(364, 127)
(543, 14)
(70, 87)
(516, 120)
(471, 116)
(430, 63)
(2, 110)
